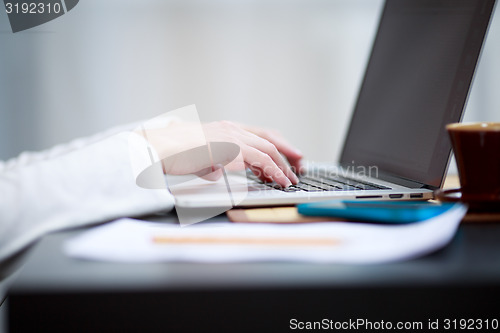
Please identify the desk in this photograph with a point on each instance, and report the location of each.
(67, 295)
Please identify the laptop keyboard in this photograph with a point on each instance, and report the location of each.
(320, 183)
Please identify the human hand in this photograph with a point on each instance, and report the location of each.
(260, 149)
(292, 154)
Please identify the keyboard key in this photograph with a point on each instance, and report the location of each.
(321, 182)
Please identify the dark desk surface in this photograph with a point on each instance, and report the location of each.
(62, 293)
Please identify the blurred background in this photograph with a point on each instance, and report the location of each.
(295, 65)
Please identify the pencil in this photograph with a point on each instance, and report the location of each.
(245, 241)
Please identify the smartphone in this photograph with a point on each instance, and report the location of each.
(392, 212)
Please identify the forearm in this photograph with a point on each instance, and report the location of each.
(90, 184)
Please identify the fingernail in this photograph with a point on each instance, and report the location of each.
(288, 183)
(295, 179)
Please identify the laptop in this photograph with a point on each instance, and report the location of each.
(417, 80)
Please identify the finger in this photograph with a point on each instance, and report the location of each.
(270, 149)
(259, 173)
(293, 155)
(296, 165)
(264, 162)
(256, 151)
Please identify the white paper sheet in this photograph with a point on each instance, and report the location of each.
(128, 240)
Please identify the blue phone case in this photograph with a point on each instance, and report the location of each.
(393, 212)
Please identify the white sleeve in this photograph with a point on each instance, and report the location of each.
(75, 185)
(30, 157)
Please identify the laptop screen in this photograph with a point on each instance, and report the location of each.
(417, 81)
